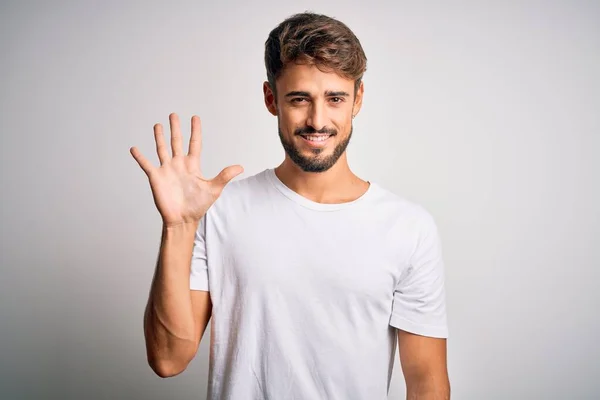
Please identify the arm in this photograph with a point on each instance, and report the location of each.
(423, 361)
(176, 317)
(419, 314)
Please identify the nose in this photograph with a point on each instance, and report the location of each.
(316, 116)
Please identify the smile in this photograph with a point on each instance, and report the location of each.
(316, 140)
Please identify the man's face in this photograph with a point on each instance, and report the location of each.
(314, 112)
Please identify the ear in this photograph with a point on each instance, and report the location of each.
(358, 99)
(270, 101)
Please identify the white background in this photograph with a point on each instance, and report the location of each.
(485, 112)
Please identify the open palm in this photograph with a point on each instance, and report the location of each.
(180, 192)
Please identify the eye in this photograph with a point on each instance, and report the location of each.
(298, 99)
(337, 99)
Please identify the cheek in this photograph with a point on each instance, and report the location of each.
(296, 114)
(291, 119)
(341, 114)
(342, 122)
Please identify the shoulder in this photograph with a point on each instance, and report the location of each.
(241, 193)
(245, 185)
(400, 209)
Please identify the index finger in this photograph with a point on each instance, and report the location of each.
(195, 146)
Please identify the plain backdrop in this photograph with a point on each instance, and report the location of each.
(485, 112)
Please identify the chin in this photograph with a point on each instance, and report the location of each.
(315, 168)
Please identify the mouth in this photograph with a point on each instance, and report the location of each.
(318, 140)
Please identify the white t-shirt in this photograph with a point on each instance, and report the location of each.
(307, 296)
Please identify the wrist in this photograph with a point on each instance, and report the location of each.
(180, 225)
(183, 232)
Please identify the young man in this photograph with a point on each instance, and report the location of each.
(310, 274)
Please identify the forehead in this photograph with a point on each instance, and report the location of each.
(309, 78)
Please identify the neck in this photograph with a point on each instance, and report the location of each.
(336, 185)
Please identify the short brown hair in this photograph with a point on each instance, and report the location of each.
(315, 39)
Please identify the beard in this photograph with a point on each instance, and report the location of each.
(315, 162)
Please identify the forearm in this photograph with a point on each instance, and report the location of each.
(428, 388)
(169, 320)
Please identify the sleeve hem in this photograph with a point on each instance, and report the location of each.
(199, 284)
(440, 332)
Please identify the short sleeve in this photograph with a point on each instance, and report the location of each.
(419, 304)
(199, 267)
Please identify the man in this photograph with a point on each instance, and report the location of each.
(310, 274)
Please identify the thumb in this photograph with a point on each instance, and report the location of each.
(227, 174)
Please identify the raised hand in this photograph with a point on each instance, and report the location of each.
(180, 192)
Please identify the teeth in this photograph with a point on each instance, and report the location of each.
(317, 138)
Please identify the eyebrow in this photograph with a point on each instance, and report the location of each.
(328, 93)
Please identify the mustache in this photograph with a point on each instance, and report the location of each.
(307, 130)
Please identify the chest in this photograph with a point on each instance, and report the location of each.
(346, 261)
